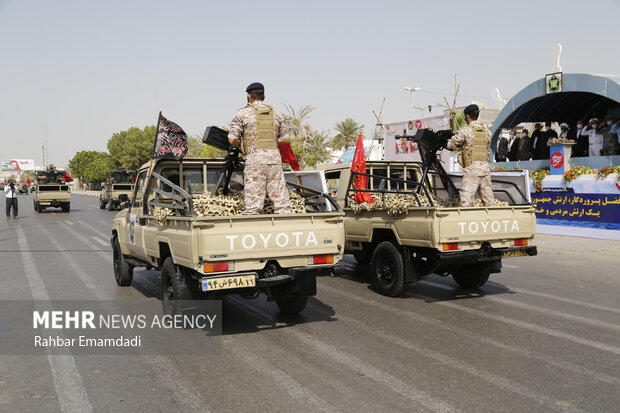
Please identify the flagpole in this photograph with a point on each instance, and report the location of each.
(148, 175)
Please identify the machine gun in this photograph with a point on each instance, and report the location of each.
(430, 143)
(218, 138)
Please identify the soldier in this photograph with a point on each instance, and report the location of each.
(258, 129)
(474, 139)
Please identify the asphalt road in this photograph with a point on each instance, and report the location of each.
(544, 335)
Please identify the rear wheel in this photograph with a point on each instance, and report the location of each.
(472, 276)
(388, 269)
(110, 205)
(292, 305)
(174, 287)
(39, 207)
(66, 208)
(34, 204)
(123, 272)
(101, 204)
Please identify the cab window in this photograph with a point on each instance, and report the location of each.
(333, 182)
(138, 190)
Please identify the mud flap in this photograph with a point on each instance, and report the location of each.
(411, 276)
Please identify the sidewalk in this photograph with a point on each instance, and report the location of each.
(89, 193)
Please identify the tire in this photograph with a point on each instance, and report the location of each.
(66, 208)
(388, 269)
(101, 204)
(470, 277)
(292, 305)
(174, 288)
(110, 205)
(39, 207)
(123, 271)
(34, 204)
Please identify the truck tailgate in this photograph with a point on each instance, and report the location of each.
(276, 236)
(485, 224)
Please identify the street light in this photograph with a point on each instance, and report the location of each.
(411, 91)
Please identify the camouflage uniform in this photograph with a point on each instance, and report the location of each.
(263, 166)
(476, 173)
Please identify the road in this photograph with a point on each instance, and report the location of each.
(542, 336)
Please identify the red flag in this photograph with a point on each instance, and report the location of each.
(359, 165)
(287, 155)
(67, 178)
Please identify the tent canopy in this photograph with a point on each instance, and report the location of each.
(584, 96)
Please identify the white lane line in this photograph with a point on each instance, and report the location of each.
(173, 380)
(476, 336)
(569, 300)
(100, 241)
(509, 266)
(526, 326)
(296, 390)
(90, 227)
(332, 352)
(107, 224)
(93, 206)
(530, 307)
(69, 222)
(501, 382)
(70, 390)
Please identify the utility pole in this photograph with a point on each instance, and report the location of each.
(411, 92)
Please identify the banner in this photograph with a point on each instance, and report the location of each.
(17, 165)
(598, 208)
(403, 149)
(170, 140)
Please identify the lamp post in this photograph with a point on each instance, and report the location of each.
(411, 91)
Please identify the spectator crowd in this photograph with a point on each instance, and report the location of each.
(594, 138)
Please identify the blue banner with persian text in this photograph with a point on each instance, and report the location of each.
(577, 207)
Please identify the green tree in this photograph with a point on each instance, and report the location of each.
(296, 118)
(348, 131)
(312, 149)
(90, 166)
(132, 147)
(194, 146)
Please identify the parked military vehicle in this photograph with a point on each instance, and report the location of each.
(415, 227)
(51, 190)
(186, 222)
(117, 189)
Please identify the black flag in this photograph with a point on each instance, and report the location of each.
(170, 140)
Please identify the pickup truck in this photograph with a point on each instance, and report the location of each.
(209, 255)
(429, 235)
(117, 189)
(50, 190)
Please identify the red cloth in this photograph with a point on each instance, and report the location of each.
(359, 165)
(67, 178)
(287, 155)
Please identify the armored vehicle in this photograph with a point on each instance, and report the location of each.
(117, 189)
(51, 190)
(185, 221)
(415, 227)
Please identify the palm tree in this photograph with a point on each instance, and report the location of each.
(348, 131)
(295, 119)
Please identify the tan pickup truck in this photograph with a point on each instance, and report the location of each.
(117, 189)
(411, 230)
(50, 190)
(169, 227)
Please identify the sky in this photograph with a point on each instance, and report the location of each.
(73, 73)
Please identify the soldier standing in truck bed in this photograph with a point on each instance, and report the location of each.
(258, 129)
(474, 139)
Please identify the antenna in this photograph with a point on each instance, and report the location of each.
(379, 130)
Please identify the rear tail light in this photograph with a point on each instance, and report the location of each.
(321, 259)
(219, 266)
(521, 242)
(450, 246)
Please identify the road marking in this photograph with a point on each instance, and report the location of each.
(509, 266)
(492, 378)
(568, 300)
(527, 326)
(277, 376)
(100, 241)
(391, 309)
(90, 227)
(69, 222)
(530, 307)
(358, 365)
(70, 390)
(103, 254)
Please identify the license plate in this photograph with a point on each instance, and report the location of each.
(515, 253)
(224, 283)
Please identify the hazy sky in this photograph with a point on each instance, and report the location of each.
(83, 70)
